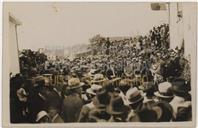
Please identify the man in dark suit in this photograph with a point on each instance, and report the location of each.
(73, 103)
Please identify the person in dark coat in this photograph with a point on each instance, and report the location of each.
(135, 98)
(181, 103)
(149, 100)
(97, 109)
(17, 105)
(146, 115)
(73, 103)
(118, 110)
(166, 111)
(84, 114)
(54, 115)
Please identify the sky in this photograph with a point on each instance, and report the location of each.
(67, 24)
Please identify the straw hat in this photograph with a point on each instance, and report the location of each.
(164, 90)
(134, 95)
(40, 115)
(94, 88)
(74, 83)
(98, 78)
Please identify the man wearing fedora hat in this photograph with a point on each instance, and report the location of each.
(98, 107)
(118, 110)
(135, 98)
(73, 103)
(181, 102)
(98, 79)
(91, 93)
(164, 92)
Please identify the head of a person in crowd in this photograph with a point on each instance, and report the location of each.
(75, 86)
(166, 113)
(43, 117)
(135, 98)
(137, 74)
(140, 58)
(33, 72)
(107, 38)
(180, 87)
(110, 88)
(149, 91)
(102, 99)
(39, 81)
(86, 79)
(164, 92)
(117, 109)
(52, 111)
(22, 94)
(91, 92)
(124, 85)
(159, 55)
(172, 55)
(135, 39)
(29, 84)
(98, 79)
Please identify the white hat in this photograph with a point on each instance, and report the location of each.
(134, 95)
(93, 89)
(40, 115)
(164, 90)
(98, 78)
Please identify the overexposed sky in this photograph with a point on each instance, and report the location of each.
(74, 23)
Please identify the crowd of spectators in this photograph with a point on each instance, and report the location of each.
(139, 79)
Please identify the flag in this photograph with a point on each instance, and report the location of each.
(158, 6)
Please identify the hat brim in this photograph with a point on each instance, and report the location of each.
(97, 81)
(162, 96)
(75, 87)
(90, 91)
(112, 112)
(136, 100)
(141, 87)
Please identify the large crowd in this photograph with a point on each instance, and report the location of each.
(138, 79)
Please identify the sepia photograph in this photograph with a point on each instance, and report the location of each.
(99, 64)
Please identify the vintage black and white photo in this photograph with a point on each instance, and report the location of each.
(87, 62)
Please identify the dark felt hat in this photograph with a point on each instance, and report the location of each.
(102, 99)
(117, 106)
(180, 86)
